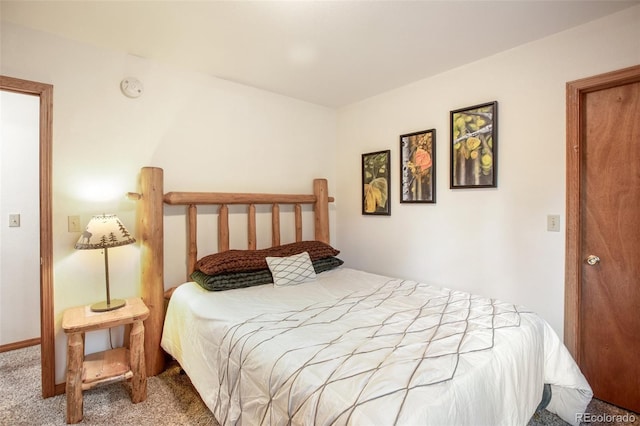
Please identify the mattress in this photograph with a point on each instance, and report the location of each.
(353, 347)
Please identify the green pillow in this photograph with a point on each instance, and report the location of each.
(231, 280)
(326, 264)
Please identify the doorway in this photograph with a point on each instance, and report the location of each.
(47, 335)
(20, 237)
(602, 288)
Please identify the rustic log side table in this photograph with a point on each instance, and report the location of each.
(85, 372)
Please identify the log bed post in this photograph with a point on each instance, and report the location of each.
(321, 210)
(151, 228)
(298, 222)
(223, 228)
(251, 227)
(275, 225)
(192, 239)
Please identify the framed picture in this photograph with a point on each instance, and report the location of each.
(376, 187)
(474, 144)
(418, 167)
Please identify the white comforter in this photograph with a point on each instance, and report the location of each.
(363, 349)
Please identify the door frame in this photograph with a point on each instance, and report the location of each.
(47, 332)
(575, 148)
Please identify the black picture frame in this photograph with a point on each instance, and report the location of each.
(376, 183)
(474, 146)
(418, 167)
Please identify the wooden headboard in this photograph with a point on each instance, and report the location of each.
(151, 229)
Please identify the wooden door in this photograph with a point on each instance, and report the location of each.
(608, 239)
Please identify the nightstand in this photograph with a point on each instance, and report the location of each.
(85, 372)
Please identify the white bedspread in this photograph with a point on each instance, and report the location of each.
(363, 349)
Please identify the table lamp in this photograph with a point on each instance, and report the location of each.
(104, 232)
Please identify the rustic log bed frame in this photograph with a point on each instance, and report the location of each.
(150, 215)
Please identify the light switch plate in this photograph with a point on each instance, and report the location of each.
(73, 224)
(553, 223)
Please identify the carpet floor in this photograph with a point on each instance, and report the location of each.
(171, 400)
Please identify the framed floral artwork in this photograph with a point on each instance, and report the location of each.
(418, 167)
(376, 183)
(474, 146)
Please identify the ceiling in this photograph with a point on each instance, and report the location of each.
(331, 53)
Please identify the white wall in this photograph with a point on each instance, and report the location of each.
(488, 241)
(207, 134)
(19, 194)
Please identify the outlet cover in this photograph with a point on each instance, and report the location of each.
(14, 220)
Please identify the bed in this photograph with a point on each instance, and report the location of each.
(335, 345)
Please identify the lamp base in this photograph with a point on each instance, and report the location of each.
(104, 307)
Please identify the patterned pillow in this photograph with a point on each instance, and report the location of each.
(253, 260)
(291, 270)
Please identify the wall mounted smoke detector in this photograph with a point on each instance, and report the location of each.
(131, 87)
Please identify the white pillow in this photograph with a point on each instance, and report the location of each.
(291, 270)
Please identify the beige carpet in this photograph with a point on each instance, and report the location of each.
(171, 400)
